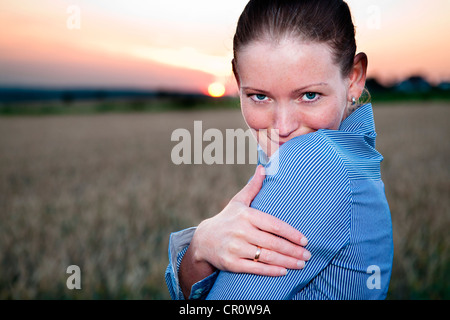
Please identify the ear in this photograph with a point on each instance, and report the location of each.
(235, 73)
(357, 76)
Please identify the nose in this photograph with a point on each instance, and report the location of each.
(285, 122)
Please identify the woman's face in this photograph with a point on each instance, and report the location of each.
(293, 87)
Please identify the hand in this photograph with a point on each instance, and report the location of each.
(230, 240)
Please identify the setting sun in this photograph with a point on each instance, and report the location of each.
(216, 89)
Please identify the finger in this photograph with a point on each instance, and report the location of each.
(249, 192)
(278, 245)
(271, 257)
(274, 258)
(269, 223)
(258, 268)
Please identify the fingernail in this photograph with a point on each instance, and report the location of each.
(303, 241)
(283, 272)
(300, 264)
(306, 255)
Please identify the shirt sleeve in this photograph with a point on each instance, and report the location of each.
(309, 190)
(178, 244)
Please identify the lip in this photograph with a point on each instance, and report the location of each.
(278, 141)
(281, 142)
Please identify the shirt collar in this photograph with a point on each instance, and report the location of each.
(262, 156)
(360, 121)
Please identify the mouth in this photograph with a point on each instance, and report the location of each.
(271, 140)
(280, 141)
(277, 141)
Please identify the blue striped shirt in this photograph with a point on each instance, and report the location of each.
(328, 186)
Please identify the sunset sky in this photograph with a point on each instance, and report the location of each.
(187, 45)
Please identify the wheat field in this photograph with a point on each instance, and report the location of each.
(101, 192)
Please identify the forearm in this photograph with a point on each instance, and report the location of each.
(192, 270)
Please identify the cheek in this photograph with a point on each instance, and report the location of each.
(256, 118)
(332, 110)
(327, 119)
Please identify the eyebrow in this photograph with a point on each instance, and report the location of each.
(294, 92)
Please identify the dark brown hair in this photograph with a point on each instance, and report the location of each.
(326, 21)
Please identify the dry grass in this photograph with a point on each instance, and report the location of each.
(415, 143)
(101, 192)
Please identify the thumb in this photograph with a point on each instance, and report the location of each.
(249, 192)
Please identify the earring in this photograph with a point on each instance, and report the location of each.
(353, 101)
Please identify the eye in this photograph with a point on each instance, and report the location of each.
(259, 97)
(310, 96)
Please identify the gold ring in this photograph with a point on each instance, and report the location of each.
(257, 254)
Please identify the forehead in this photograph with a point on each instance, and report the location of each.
(270, 65)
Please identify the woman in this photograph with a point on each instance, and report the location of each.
(298, 76)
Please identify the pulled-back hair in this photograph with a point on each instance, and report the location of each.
(326, 21)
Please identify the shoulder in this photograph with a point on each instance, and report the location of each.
(311, 155)
(308, 181)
